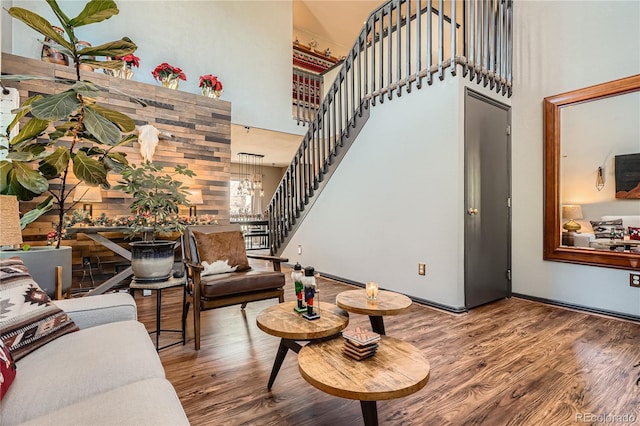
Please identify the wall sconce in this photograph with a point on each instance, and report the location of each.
(600, 179)
(194, 197)
(11, 232)
(88, 195)
(571, 212)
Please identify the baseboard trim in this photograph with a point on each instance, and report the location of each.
(582, 308)
(435, 305)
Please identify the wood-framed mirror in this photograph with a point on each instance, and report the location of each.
(591, 127)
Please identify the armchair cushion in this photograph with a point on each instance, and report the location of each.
(240, 282)
(221, 252)
(28, 318)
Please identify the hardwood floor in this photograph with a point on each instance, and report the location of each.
(513, 362)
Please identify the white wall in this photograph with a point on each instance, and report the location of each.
(556, 50)
(393, 202)
(562, 46)
(245, 43)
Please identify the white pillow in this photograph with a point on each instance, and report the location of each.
(217, 267)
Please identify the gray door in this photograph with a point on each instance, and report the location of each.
(487, 231)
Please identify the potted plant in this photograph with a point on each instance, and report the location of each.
(211, 86)
(64, 133)
(168, 75)
(157, 196)
(67, 131)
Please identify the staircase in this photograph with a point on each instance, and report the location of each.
(401, 46)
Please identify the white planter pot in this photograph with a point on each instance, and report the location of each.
(42, 262)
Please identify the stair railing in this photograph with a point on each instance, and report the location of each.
(402, 44)
(307, 95)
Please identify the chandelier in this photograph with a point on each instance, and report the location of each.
(250, 174)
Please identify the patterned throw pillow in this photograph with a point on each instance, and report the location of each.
(28, 319)
(634, 233)
(608, 228)
(221, 252)
(7, 369)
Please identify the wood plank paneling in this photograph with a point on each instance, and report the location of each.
(513, 362)
(201, 138)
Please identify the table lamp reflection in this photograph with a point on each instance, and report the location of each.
(572, 212)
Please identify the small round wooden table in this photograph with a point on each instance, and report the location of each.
(397, 369)
(387, 303)
(282, 321)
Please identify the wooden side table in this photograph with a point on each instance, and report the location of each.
(282, 321)
(158, 286)
(387, 303)
(397, 369)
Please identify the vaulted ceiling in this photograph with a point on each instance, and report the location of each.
(334, 24)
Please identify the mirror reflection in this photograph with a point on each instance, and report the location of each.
(592, 175)
(600, 174)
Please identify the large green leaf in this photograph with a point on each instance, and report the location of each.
(104, 130)
(34, 214)
(89, 170)
(23, 156)
(5, 167)
(64, 19)
(39, 24)
(22, 111)
(86, 88)
(33, 128)
(121, 120)
(55, 107)
(55, 163)
(29, 178)
(110, 49)
(95, 11)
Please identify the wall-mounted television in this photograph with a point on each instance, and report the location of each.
(627, 172)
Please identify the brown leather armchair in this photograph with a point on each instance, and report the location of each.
(225, 289)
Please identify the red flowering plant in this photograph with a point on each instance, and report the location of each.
(165, 70)
(210, 81)
(130, 59)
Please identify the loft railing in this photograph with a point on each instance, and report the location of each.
(402, 44)
(307, 95)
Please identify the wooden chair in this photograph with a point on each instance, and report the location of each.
(220, 290)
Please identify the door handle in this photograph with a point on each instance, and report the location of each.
(472, 212)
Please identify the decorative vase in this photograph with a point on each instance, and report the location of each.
(51, 54)
(210, 93)
(152, 260)
(170, 82)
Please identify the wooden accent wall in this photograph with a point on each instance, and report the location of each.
(200, 129)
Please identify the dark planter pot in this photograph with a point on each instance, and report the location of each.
(152, 260)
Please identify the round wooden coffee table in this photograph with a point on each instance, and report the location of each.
(387, 303)
(282, 321)
(397, 369)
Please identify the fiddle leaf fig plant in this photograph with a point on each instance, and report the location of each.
(66, 131)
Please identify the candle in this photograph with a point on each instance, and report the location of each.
(372, 290)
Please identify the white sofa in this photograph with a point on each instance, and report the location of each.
(586, 237)
(108, 373)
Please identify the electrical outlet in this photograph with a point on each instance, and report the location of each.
(634, 280)
(422, 269)
(299, 248)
